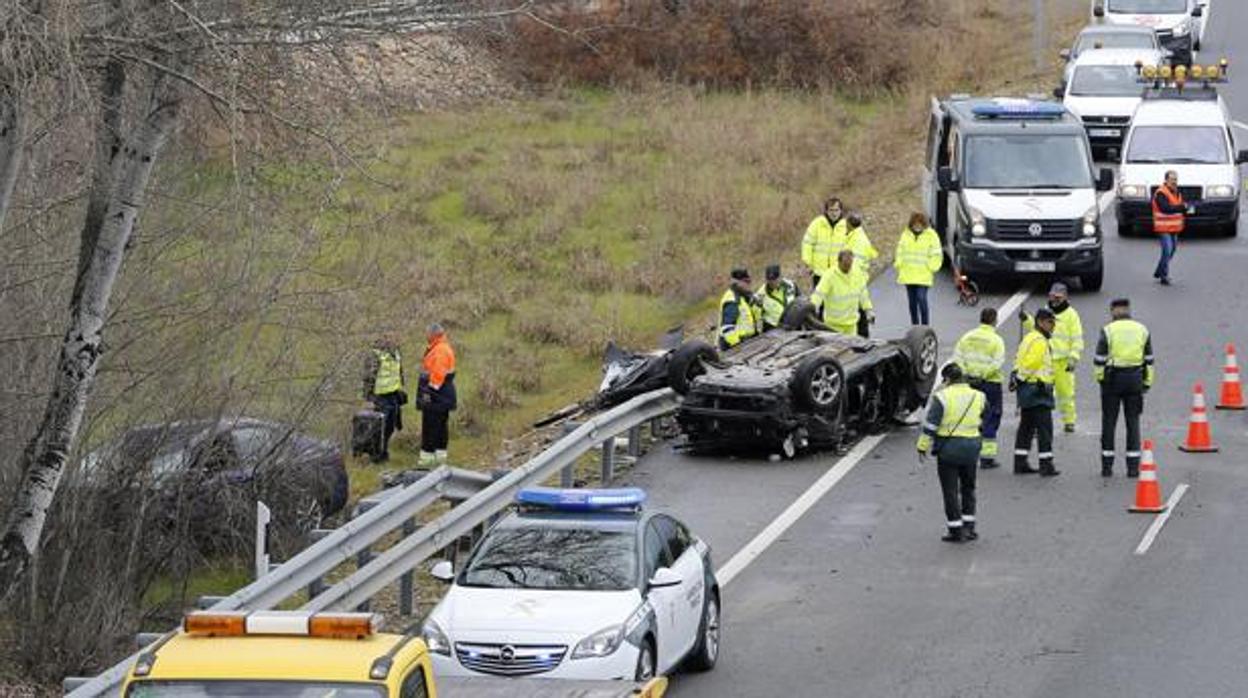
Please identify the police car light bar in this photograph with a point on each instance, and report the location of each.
(1018, 109)
(581, 499)
(295, 623)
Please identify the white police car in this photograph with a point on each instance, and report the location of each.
(578, 584)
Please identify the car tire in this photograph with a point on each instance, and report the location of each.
(796, 315)
(1231, 229)
(647, 663)
(688, 362)
(1092, 283)
(924, 358)
(819, 383)
(1125, 229)
(706, 651)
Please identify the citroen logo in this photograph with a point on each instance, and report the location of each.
(507, 654)
(1035, 230)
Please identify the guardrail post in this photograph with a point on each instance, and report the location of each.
(362, 559)
(608, 461)
(634, 441)
(263, 517)
(318, 585)
(405, 582)
(656, 428)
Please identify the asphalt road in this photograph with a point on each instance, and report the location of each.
(860, 598)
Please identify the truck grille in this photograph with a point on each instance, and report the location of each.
(510, 660)
(1094, 121)
(1189, 194)
(1022, 230)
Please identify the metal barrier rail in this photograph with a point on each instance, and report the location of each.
(482, 497)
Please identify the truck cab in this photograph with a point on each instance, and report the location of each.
(1010, 187)
(1178, 23)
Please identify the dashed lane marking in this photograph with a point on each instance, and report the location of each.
(1240, 125)
(1151, 534)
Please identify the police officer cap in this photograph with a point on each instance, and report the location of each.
(1120, 303)
(773, 272)
(951, 372)
(1045, 314)
(740, 274)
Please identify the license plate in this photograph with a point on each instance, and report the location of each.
(1104, 133)
(1035, 266)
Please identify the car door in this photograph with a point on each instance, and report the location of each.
(687, 563)
(665, 601)
(931, 163)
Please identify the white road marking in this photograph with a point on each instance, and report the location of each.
(1151, 534)
(782, 523)
(1240, 125)
(1106, 199)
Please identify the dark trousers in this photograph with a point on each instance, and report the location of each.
(916, 296)
(434, 430)
(390, 406)
(957, 485)
(1037, 423)
(1123, 392)
(991, 422)
(864, 327)
(1169, 245)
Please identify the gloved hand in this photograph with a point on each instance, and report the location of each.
(1071, 365)
(922, 457)
(870, 317)
(1022, 315)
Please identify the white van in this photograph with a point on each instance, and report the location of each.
(1177, 22)
(1103, 91)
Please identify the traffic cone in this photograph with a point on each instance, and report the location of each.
(1147, 488)
(1232, 395)
(1199, 439)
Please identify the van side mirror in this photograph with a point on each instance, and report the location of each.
(1241, 157)
(1105, 182)
(1065, 54)
(442, 570)
(663, 578)
(946, 180)
(1198, 11)
(1098, 10)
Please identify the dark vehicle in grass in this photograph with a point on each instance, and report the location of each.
(204, 476)
(798, 388)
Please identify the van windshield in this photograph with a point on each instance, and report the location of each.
(1148, 7)
(1179, 145)
(1091, 40)
(1105, 81)
(1027, 162)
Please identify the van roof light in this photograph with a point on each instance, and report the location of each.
(1018, 109)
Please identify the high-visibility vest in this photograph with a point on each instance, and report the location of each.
(841, 295)
(1127, 347)
(822, 243)
(981, 354)
(1034, 362)
(1168, 223)
(961, 412)
(389, 373)
(1067, 340)
(775, 301)
(918, 257)
(746, 325)
(856, 241)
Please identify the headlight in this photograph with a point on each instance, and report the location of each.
(1133, 191)
(1090, 220)
(1221, 191)
(435, 639)
(601, 644)
(979, 226)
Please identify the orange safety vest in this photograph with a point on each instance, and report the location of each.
(1168, 223)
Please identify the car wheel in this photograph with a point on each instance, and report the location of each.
(797, 315)
(688, 362)
(645, 661)
(924, 358)
(1092, 282)
(819, 383)
(309, 515)
(1125, 229)
(1231, 229)
(706, 651)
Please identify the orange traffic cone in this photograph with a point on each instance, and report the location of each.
(1232, 395)
(1147, 489)
(1199, 439)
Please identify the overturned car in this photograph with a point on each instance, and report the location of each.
(799, 387)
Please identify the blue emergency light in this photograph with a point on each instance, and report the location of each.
(1018, 109)
(581, 500)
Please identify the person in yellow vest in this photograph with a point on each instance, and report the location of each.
(1032, 379)
(1067, 347)
(917, 259)
(1124, 368)
(774, 297)
(856, 241)
(824, 240)
(980, 354)
(383, 388)
(738, 317)
(951, 433)
(842, 296)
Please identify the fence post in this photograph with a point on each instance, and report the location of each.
(405, 582)
(634, 441)
(608, 461)
(317, 585)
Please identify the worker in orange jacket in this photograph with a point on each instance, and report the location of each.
(1170, 213)
(436, 397)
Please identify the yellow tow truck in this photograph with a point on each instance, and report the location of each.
(292, 654)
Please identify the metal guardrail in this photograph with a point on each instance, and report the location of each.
(482, 497)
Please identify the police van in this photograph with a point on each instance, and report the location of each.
(1182, 124)
(1104, 90)
(1010, 186)
(1178, 23)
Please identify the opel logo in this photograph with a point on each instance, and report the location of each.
(1035, 230)
(507, 654)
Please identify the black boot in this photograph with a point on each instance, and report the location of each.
(1047, 470)
(1107, 470)
(1022, 468)
(988, 463)
(953, 536)
(968, 531)
(1133, 471)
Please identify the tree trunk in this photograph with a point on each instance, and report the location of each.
(108, 145)
(12, 147)
(43, 461)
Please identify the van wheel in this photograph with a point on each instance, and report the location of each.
(1092, 282)
(1231, 229)
(1125, 229)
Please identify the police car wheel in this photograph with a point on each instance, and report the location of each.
(706, 652)
(645, 661)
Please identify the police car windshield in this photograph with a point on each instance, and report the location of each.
(1148, 7)
(1105, 81)
(1027, 162)
(555, 556)
(1201, 145)
(1093, 40)
(251, 689)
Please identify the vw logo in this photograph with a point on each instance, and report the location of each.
(507, 654)
(1105, 119)
(1035, 230)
